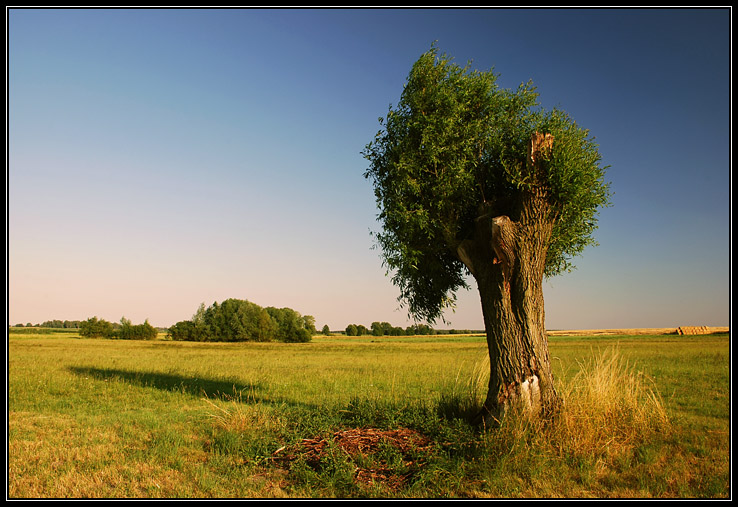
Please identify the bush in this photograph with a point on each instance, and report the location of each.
(127, 331)
(240, 320)
(183, 331)
(99, 328)
(94, 328)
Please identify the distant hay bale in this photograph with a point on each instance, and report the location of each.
(682, 330)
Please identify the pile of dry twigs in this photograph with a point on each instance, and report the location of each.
(363, 442)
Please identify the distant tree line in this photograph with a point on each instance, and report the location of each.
(387, 329)
(56, 324)
(125, 330)
(236, 320)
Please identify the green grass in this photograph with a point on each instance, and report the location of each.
(645, 416)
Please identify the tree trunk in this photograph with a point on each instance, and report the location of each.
(507, 258)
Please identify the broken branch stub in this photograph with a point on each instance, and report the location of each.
(540, 145)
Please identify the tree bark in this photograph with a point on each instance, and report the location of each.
(507, 258)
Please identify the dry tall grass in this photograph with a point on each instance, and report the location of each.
(609, 407)
(608, 410)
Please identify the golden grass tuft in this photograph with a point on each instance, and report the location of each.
(608, 410)
(609, 406)
(609, 415)
(240, 414)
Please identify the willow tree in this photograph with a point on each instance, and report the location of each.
(473, 179)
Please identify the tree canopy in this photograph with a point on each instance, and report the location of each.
(457, 146)
(241, 320)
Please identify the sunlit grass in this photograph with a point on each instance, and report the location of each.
(643, 416)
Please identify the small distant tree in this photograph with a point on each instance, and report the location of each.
(309, 324)
(471, 179)
(352, 330)
(377, 329)
(326, 330)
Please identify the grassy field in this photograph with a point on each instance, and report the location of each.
(645, 416)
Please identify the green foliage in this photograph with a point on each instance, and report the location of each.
(99, 328)
(387, 329)
(236, 320)
(96, 328)
(128, 331)
(454, 142)
(377, 329)
(291, 326)
(61, 324)
(420, 330)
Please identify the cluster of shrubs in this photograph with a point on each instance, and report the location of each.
(125, 330)
(236, 320)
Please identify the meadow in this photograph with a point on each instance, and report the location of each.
(361, 417)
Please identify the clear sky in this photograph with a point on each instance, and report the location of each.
(159, 159)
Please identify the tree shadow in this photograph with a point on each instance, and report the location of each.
(192, 386)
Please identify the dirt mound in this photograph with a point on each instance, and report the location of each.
(366, 449)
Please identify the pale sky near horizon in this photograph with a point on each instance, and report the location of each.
(160, 159)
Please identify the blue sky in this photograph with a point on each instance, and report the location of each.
(159, 159)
